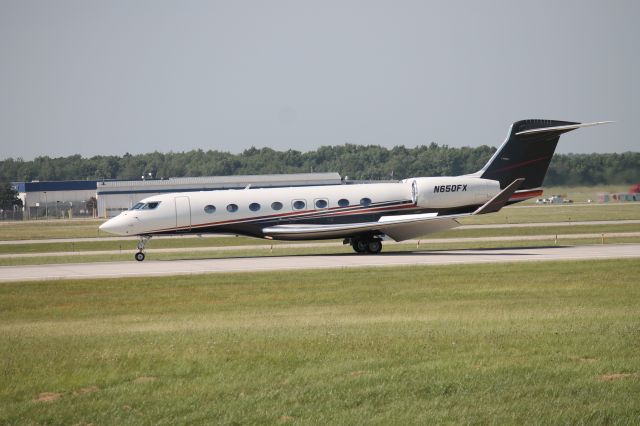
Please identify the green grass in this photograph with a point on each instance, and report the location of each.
(44, 229)
(581, 194)
(502, 344)
(293, 251)
(175, 242)
(543, 230)
(179, 242)
(558, 213)
(282, 251)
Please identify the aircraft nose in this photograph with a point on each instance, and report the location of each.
(115, 226)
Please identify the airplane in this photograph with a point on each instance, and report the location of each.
(362, 214)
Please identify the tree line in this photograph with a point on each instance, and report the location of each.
(358, 162)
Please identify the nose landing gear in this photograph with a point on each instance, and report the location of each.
(144, 239)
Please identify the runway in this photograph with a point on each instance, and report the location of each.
(336, 261)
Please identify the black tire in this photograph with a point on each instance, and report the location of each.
(374, 246)
(359, 245)
(139, 256)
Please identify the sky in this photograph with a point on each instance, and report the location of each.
(109, 77)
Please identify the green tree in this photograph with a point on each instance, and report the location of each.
(92, 205)
(9, 199)
(356, 161)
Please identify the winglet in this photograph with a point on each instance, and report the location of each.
(498, 202)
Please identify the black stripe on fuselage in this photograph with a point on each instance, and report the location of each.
(309, 216)
(253, 227)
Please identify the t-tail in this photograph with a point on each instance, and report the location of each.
(527, 153)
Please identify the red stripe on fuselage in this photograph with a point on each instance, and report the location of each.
(306, 214)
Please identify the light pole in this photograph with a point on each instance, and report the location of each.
(46, 206)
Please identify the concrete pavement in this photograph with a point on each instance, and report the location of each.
(336, 261)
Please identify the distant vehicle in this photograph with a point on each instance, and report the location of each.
(362, 214)
(554, 199)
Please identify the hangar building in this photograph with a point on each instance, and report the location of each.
(52, 199)
(57, 199)
(117, 196)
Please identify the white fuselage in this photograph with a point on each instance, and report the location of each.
(247, 211)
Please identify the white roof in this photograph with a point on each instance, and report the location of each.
(213, 182)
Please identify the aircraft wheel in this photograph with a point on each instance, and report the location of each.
(359, 245)
(374, 246)
(139, 256)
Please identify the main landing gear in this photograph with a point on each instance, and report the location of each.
(368, 245)
(144, 239)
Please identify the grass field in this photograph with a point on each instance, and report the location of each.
(179, 242)
(522, 343)
(276, 250)
(557, 213)
(43, 229)
(174, 242)
(580, 194)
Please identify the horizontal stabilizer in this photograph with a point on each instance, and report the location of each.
(562, 128)
(498, 202)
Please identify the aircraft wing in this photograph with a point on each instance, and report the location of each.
(399, 228)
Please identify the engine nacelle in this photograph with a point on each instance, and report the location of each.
(456, 191)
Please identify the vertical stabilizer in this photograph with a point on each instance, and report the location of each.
(527, 152)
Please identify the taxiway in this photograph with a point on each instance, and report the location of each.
(335, 261)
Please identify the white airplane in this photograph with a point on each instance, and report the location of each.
(363, 214)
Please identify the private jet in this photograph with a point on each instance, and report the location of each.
(364, 215)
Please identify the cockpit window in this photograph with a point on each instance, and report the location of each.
(138, 206)
(151, 205)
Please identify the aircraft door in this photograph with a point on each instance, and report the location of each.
(183, 214)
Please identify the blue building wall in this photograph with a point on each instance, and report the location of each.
(68, 185)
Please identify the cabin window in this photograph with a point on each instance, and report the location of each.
(232, 208)
(276, 205)
(254, 207)
(299, 204)
(343, 202)
(209, 208)
(150, 206)
(321, 204)
(138, 206)
(365, 201)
